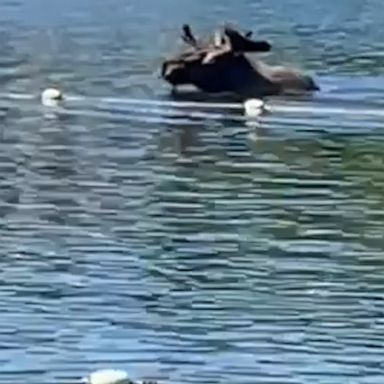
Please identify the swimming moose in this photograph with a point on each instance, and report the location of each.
(221, 65)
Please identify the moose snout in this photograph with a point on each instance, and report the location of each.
(173, 72)
(164, 69)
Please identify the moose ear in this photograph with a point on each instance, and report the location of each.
(187, 36)
(240, 43)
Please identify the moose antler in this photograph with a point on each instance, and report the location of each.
(225, 40)
(188, 37)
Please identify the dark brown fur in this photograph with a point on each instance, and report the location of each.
(222, 66)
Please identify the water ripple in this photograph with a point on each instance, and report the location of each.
(177, 240)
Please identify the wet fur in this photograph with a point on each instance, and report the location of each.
(222, 65)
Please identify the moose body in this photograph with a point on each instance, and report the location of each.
(223, 66)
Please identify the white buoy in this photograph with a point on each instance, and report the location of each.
(254, 107)
(51, 97)
(107, 376)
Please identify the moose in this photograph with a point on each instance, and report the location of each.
(221, 65)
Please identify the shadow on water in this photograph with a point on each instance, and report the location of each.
(197, 96)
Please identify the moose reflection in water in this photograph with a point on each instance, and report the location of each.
(221, 65)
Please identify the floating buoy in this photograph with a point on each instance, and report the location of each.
(254, 107)
(107, 376)
(51, 97)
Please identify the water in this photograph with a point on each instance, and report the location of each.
(185, 247)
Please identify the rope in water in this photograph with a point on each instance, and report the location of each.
(274, 107)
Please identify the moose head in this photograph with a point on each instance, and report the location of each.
(215, 66)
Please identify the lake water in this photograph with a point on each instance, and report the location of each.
(185, 247)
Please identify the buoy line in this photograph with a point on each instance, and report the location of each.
(252, 108)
